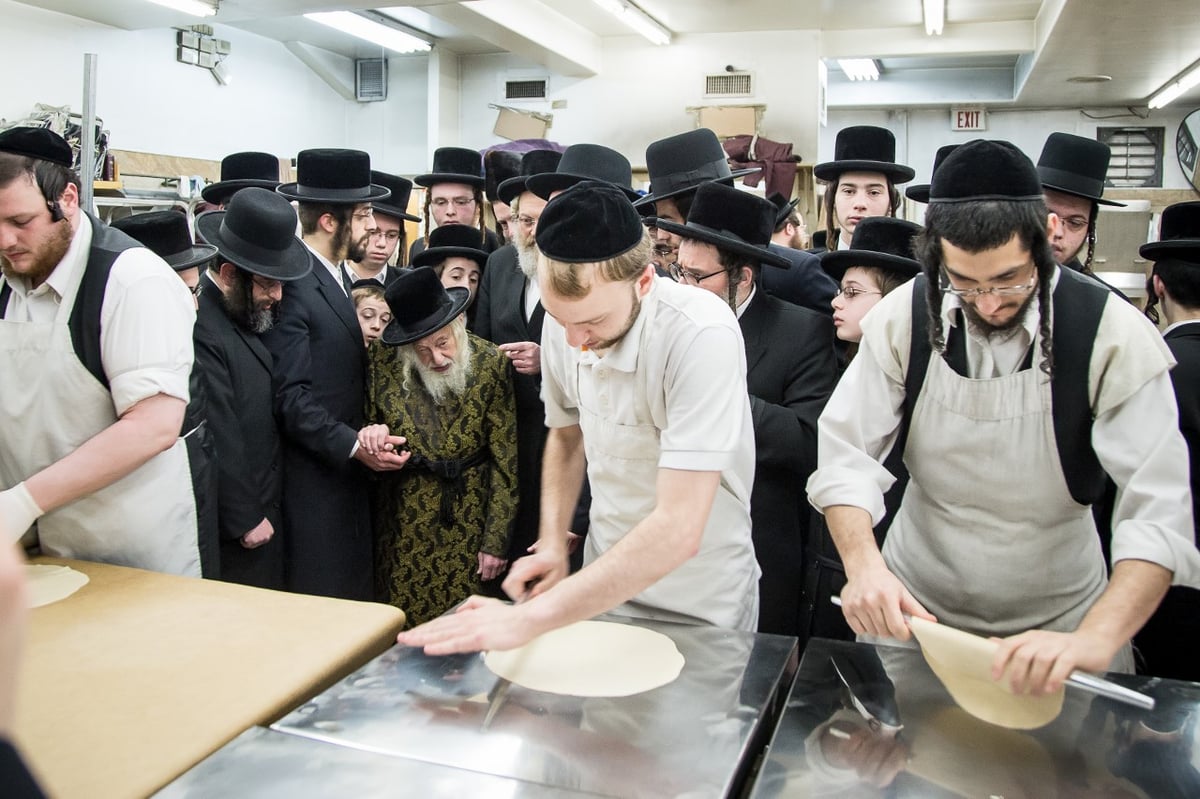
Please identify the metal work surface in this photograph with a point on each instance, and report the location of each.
(696, 736)
(898, 733)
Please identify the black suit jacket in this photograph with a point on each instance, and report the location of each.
(237, 367)
(791, 371)
(803, 283)
(319, 370)
(1184, 343)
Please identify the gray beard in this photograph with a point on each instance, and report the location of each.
(452, 383)
(262, 321)
(527, 256)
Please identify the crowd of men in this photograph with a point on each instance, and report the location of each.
(662, 381)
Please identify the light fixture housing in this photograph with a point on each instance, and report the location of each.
(935, 16)
(371, 30)
(197, 8)
(859, 68)
(638, 20)
(1173, 88)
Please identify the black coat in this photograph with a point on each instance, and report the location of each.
(804, 283)
(319, 366)
(241, 421)
(791, 371)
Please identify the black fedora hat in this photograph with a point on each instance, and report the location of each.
(919, 192)
(420, 305)
(879, 241)
(1075, 165)
(499, 166)
(819, 238)
(985, 169)
(397, 203)
(257, 232)
(686, 161)
(339, 177)
(730, 219)
(41, 143)
(448, 241)
(166, 234)
(241, 171)
(864, 148)
(535, 162)
(1178, 234)
(783, 207)
(582, 162)
(589, 222)
(454, 165)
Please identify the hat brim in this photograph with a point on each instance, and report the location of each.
(215, 192)
(394, 335)
(435, 255)
(836, 262)
(918, 192)
(783, 213)
(511, 189)
(394, 210)
(1084, 195)
(316, 194)
(758, 254)
(1181, 249)
(290, 264)
(829, 171)
(547, 183)
(191, 257)
(737, 173)
(434, 178)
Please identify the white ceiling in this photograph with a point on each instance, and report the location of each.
(1018, 52)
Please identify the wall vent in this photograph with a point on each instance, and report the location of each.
(370, 80)
(729, 84)
(525, 89)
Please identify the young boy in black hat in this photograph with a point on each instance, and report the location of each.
(454, 195)
(386, 236)
(860, 181)
(1072, 170)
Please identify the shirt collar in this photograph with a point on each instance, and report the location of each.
(353, 276)
(1179, 324)
(742, 306)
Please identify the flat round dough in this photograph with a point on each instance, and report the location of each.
(49, 584)
(963, 662)
(591, 658)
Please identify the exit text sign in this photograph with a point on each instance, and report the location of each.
(968, 119)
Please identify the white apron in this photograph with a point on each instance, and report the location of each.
(988, 537)
(50, 404)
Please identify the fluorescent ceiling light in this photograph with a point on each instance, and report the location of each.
(859, 68)
(1172, 90)
(374, 32)
(935, 16)
(637, 19)
(196, 8)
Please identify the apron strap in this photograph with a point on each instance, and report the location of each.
(5, 295)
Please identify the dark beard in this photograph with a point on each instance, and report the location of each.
(54, 248)
(238, 299)
(987, 328)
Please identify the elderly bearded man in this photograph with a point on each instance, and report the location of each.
(442, 523)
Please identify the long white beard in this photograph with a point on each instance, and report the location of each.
(452, 382)
(527, 256)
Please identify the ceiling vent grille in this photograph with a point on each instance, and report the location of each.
(729, 84)
(370, 80)
(525, 89)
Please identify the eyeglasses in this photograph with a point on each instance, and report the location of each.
(459, 202)
(266, 283)
(390, 235)
(526, 222)
(999, 291)
(850, 292)
(1075, 224)
(681, 275)
(367, 214)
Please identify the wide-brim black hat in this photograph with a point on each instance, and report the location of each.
(783, 207)
(449, 241)
(590, 222)
(732, 220)
(40, 143)
(397, 203)
(241, 171)
(920, 192)
(535, 162)
(334, 176)
(165, 233)
(257, 232)
(420, 305)
(499, 166)
(1075, 165)
(454, 165)
(883, 242)
(983, 170)
(582, 162)
(864, 148)
(1178, 234)
(686, 161)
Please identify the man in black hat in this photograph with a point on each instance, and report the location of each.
(969, 373)
(443, 523)
(1175, 288)
(1072, 170)
(240, 171)
(860, 181)
(259, 252)
(454, 195)
(386, 236)
(802, 282)
(499, 166)
(722, 246)
(97, 352)
(319, 373)
(627, 368)
(456, 259)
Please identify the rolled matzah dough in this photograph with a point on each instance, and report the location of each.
(51, 583)
(963, 662)
(591, 658)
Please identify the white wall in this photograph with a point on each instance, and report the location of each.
(151, 103)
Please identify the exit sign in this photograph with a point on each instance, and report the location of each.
(968, 119)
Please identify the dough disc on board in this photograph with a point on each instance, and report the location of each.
(963, 662)
(51, 583)
(591, 658)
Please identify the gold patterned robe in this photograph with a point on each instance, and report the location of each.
(423, 565)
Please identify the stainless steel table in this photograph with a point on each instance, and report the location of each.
(828, 744)
(697, 736)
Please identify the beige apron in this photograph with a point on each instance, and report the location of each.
(50, 405)
(988, 537)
